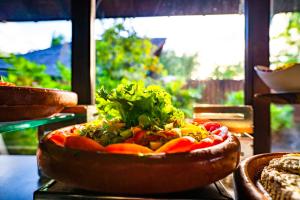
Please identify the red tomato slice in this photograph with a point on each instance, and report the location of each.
(127, 148)
(207, 142)
(183, 144)
(83, 143)
(138, 136)
(211, 126)
(222, 131)
(216, 139)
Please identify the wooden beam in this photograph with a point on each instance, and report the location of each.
(42, 10)
(144, 8)
(83, 50)
(257, 19)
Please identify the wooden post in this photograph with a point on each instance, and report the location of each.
(83, 50)
(257, 20)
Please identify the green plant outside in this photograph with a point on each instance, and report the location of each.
(21, 142)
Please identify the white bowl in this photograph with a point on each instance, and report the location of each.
(285, 80)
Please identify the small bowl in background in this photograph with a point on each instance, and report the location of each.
(284, 80)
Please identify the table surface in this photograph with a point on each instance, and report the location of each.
(18, 177)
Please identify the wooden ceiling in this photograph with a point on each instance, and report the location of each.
(44, 10)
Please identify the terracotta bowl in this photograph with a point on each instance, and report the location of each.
(286, 80)
(247, 175)
(23, 103)
(138, 174)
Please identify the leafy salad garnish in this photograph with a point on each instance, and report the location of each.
(134, 113)
(136, 105)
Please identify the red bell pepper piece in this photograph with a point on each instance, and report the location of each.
(207, 142)
(82, 143)
(127, 148)
(183, 144)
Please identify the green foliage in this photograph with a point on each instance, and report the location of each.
(183, 98)
(134, 104)
(228, 72)
(281, 115)
(181, 66)
(26, 73)
(57, 40)
(234, 98)
(64, 82)
(21, 142)
(123, 55)
(290, 37)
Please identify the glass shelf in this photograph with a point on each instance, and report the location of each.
(20, 125)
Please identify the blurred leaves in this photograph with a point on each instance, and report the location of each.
(181, 66)
(290, 38)
(23, 72)
(228, 72)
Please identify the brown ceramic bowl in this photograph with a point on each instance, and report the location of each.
(23, 103)
(248, 174)
(138, 174)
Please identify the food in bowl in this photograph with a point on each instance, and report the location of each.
(282, 79)
(141, 144)
(5, 83)
(281, 178)
(138, 119)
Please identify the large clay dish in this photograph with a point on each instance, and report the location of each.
(247, 175)
(138, 174)
(12, 96)
(24, 103)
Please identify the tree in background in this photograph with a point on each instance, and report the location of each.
(228, 72)
(23, 72)
(121, 54)
(181, 66)
(290, 53)
(57, 40)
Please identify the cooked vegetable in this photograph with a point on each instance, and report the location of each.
(82, 143)
(139, 119)
(183, 144)
(126, 148)
(4, 83)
